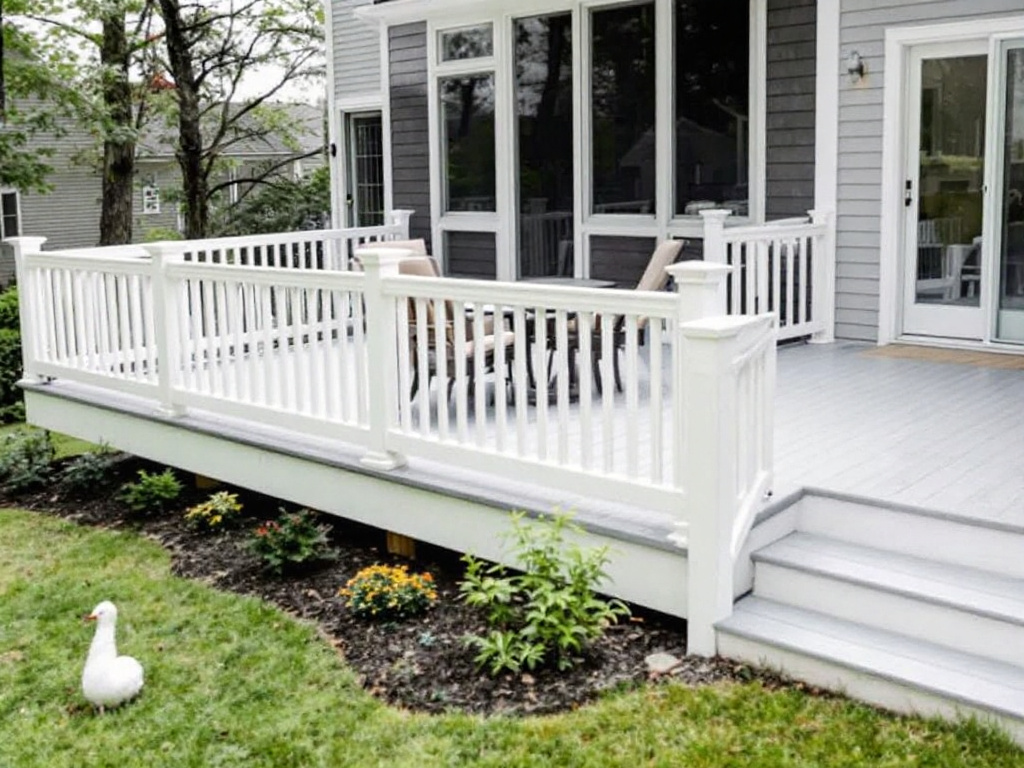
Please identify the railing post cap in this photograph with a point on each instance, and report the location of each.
(715, 214)
(820, 214)
(163, 247)
(377, 256)
(698, 272)
(26, 243)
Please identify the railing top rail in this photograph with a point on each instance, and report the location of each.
(132, 251)
(282, 238)
(88, 262)
(769, 232)
(291, 278)
(657, 304)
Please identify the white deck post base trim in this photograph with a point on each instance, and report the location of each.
(385, 460)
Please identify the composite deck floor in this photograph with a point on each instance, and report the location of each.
(946, 436)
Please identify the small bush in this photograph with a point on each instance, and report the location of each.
(219, 511)
(293, 540)
(25, 460)
(389, 592)
(9, 312)
(547, 614)
(151, 493)
(89, 473)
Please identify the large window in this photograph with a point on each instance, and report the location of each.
(622, 107)
(712, 109)
(467, 120)
(543, 83)
(10, 226)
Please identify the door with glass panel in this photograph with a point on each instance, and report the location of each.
(944, 191)
(365, 198)
(1009, 204)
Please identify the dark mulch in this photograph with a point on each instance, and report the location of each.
(422, 664)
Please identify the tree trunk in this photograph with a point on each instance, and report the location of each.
(190, 138)
(119, 142)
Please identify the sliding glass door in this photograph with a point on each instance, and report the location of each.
(1010, 234)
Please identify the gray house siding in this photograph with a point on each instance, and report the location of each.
(407, 60)
(789, 136)
(355, 46)
(863, 25)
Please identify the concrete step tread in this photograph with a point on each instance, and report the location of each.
(975, 591)
(961, 677)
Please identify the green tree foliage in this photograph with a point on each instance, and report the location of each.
(278, 205)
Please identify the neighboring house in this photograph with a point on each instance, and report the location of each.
(905, 120)
(69, 215)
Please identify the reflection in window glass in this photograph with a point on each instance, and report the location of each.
(467, 114)
(712, 127)
(470, 43)
(622, 104)
(1011, 272)
(9, 215)
(543, 82)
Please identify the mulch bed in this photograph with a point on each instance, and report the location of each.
(421, 664)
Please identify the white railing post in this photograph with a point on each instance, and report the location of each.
(708, 448)
(27, 297)
(824, 276)
(701, 288)
(400, 218)
(714, 235)
(165, 318)
(382, 349)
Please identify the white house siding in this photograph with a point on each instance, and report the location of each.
(863, 25)
(356, 51)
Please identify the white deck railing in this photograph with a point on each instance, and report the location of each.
(332, 353)
(780, 267)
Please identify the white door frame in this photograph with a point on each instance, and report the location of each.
(898, 43)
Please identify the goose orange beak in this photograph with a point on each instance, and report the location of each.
(90, 617)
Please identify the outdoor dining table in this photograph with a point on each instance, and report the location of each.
(549, 334)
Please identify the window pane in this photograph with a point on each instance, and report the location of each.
(473, 43)
(622, 105)
(543, 79)
(468, 123)
(9, 215)
(712, 72)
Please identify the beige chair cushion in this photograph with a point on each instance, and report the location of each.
(417, 246)
(655, 278)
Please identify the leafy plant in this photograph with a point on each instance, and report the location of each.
(25, 460)
(89, 472)
(11, 363)
(151, 493)
(550, 611)
(294, 539)
(219, 511)
(389, 592)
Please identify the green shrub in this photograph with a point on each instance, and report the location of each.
(89, 473)
(151, 493)
(9, 312)
(25, 460)
(389, 592)
(293, 540)
(548, 613)
(219, 511)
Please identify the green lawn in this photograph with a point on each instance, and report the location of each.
(63, 445)
(233, 682)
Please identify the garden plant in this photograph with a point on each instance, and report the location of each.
(26, 458)
(152, 492)
(221, 510)
(389, 592)
(292, 541)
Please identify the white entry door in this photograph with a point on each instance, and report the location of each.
(944, 191)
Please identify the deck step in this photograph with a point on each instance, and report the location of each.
(883, 667)
(920, 533)
(963, 608)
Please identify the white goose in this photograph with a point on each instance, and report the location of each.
(108, 679)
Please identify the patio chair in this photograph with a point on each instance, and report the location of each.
(654, 278)
(425, 266)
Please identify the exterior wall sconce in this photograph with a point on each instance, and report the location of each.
(855, 66)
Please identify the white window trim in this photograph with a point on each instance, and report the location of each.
(898, 44)
(663, 223)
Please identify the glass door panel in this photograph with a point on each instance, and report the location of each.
(945, 196)
(544, 135)
(1010, 319)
